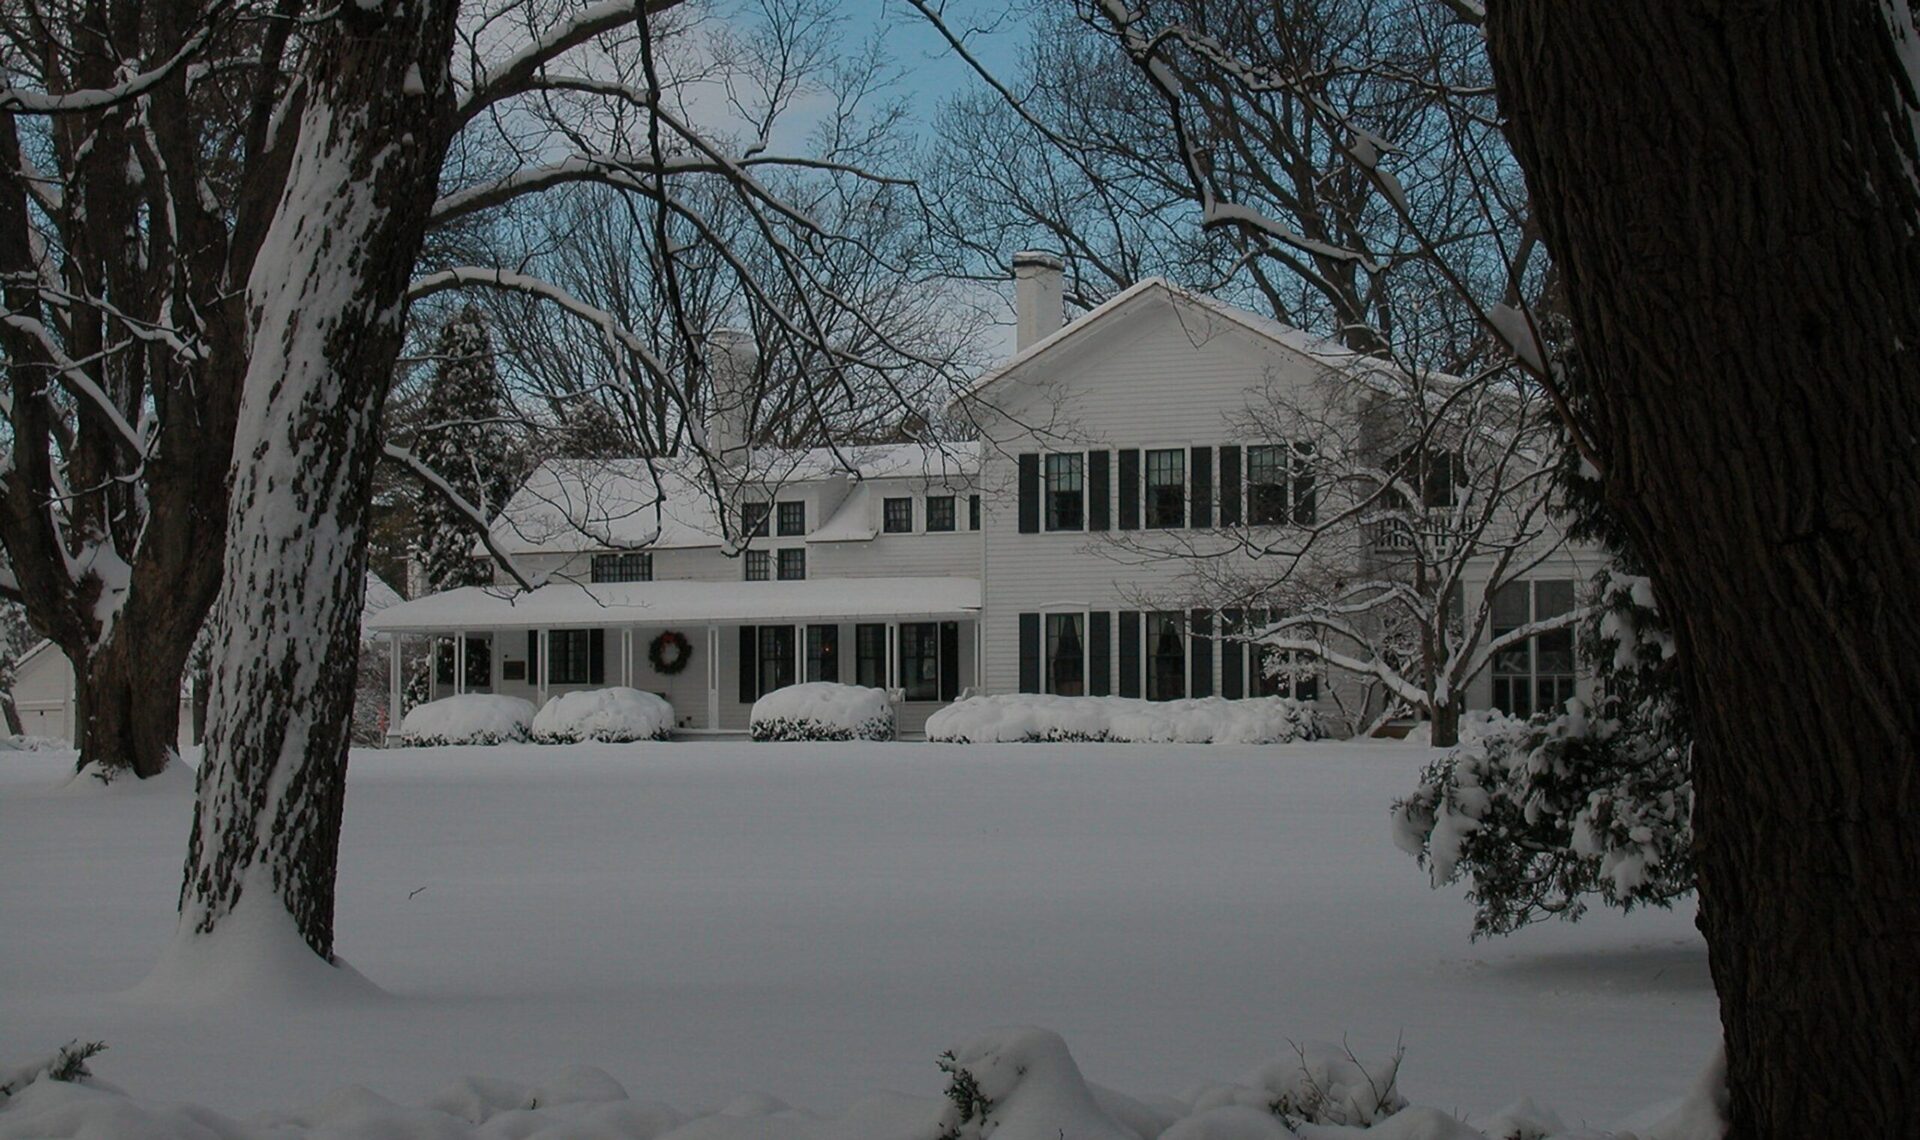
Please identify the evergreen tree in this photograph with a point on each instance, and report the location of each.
(461, 434)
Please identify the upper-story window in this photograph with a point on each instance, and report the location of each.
(1280, 485)
(1066, 491)
(753, 519)
(940, 513)
(896, 516)
(792, 564)
(1166, 499)
(633, 566)
(790, 519)
(758, 565)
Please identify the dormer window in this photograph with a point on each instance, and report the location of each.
(896, 516)
(1066, 491)
(753, 519)
(940, 513)
(633, 566)
(791, 519)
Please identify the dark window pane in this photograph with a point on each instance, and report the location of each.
(1066, 657)
(757, 565)
(1167, 488)
(940, 512)
(1266, 486)
(791, 519)
(920, 660)
(753, 519)
(793, 564)
(1166, 658)
(897, 516)
(870, 656)
(1066, 498)
(635, 566)
(973, 512)
(776, 657)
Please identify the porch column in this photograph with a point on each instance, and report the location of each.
(459, 661)
(893, 655)
(626, 655)
(979, 656)
(713, 675)
(396, 686)
(546, 662)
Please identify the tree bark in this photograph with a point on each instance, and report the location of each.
(327, 302)
(1730, 191)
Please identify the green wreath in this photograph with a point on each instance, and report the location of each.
(681, 648)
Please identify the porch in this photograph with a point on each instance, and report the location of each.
(917, 637)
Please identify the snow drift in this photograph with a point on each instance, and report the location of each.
(612, 716)
(822, 710)
(1206, 720)
(470, 718)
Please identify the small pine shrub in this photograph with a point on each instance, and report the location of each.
(69, 1064)
(968, 1116)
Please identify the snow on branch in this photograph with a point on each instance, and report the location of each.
(76, 379)
(516, 73)
(473, 514)
(20, 101)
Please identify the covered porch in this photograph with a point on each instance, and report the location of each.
(916, 637)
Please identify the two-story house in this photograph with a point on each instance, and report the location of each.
(1010, 564)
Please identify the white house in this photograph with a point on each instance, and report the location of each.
(993, 566)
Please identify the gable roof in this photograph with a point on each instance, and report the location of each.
(1110, 313)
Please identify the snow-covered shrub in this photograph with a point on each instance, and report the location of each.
(67, 1063)
(1318, 1083)
(1539, 814)
(1206, 720)
(822, 710)
(32, 744)
(1021, 1084)
(469, 718)
(615, 716)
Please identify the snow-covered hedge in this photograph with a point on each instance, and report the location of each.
(470, 718)
(822, 710)
(614, 716)
(33, 744)
(1206, 720)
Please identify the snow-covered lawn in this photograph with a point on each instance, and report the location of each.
(819, 921)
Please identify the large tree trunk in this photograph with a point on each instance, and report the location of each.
(1730, 191)
(128, 719)
(327, 299)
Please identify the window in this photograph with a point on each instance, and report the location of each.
(791, 519)
(973, 512)
(940, 512)
(574, 661)
(792, 564)
(776, 657)
(1537, 674)
(753, 519)
(1166, 658)
(870, 656)
(1066, 498)
(1167, 488)
(896, 516)
(479, 663)
(920, 660)
(1280, 485)
(1279, 672)
(823, 653)
(634, 566)
(758, 562)
(1066, 659)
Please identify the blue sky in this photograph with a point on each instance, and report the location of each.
(995, 33)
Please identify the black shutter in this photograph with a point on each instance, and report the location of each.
(1129, 653)
(1029, 494)
(597, 657)
(1130, 489)
(1230, 485)
(1233, 655)
(1099, 464)
(1200, 651)
(1029, 653)
(533, 656)
(949, 660)
(1099, 653)
(1306, 501)
(973, 512)
(1202, 513)
(749, 664)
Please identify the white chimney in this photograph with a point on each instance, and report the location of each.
(732, 358)
(1038, 302)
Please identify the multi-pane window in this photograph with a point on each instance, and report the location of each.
(1066, 495)
(940, 512)
(753, 519)
(776, 657)
(758, 565)
(920, 660)
(570, 657)
(1166, 658)
(1280, 485)
(870, 655)
(479, 663)
(973, 512)
(1166, 498)
(1275, 672)
(896, 515)
(1535, 675)
(823, 653)
(633, 566)
(790, 519)
(792, 566)
(1066, 659)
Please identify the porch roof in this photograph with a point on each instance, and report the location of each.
(559, 605)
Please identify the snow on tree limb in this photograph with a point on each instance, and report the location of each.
(482, 525)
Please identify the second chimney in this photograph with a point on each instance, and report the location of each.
(1038, 302)
(732, 359)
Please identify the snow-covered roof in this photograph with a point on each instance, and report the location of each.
(1318, 349)
(577, 604)
(592, 504)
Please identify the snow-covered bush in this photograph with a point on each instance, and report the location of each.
(1206, 720)
(469, 718)
(67, 1063)
(32, 744)
(1319, 1083)
(615, 716)
(1021, 1084)
(822, 710)
(1539, 814)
